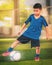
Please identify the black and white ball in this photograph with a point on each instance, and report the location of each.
(15, 56)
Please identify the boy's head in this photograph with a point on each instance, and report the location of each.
(37, 9)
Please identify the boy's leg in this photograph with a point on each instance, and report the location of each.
(22, 39)
(14, 44)
(37, 54)
(36, 43)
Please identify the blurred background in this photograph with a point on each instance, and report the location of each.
(13, 14)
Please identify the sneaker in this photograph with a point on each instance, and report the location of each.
(6, 53)
(37, 58)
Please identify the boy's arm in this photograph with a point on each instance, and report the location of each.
(23, 27)
(46, 28)
(47, 33)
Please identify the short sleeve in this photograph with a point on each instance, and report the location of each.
(28, 20)
(44, 22)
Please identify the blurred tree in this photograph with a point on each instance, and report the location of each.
(16, 12)
(23, 16)
(5, 9)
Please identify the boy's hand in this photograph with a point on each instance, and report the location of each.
(47, 33)
(47, 37)
(23, 27)
(18, 34)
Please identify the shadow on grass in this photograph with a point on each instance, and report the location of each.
(29, 54)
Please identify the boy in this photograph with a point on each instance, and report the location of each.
(32, 33)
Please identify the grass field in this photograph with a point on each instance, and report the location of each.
(27, 53)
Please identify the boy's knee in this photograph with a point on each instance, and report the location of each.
(37, 47)
(17, 41)
(38, 50)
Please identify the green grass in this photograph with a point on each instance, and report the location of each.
(29, 62)
(27, 53)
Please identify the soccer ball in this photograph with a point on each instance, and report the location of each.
(15, 56)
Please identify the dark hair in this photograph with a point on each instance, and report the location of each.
(37, 5)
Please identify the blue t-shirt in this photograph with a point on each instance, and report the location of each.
(35, 27)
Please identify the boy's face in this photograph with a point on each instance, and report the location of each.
(37, 11)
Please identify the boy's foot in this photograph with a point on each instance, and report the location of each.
(6, 53)
(37, 58)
